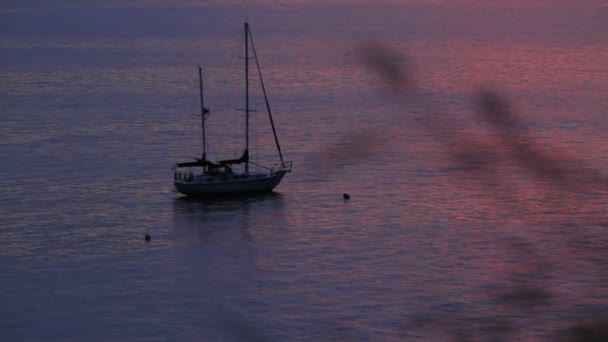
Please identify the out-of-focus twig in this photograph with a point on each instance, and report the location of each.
(560, 173)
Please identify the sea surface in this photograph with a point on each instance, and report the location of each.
(470, 135)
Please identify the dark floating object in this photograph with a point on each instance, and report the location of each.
(346, 196)
(147, 238)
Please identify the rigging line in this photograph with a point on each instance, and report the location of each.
(274, 131)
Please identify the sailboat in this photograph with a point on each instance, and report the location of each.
(231, 176)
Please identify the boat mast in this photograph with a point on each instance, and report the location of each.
(274, 131)
(203, 111)
(247, 95)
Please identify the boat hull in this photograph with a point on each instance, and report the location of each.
(251, 184)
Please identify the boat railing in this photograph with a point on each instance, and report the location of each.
(286, 166)
(183, 176)
(275, 168)
(187, 175)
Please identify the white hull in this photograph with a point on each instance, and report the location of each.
(230, 185)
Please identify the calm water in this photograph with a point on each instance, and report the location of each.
(99, 99)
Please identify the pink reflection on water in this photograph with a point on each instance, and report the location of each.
(496, 172)
(530, 67)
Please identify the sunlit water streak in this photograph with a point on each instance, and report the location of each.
(95, 112)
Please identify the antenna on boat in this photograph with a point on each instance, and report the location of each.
(204, 111)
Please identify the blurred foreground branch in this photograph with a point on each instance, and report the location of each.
(564, 174)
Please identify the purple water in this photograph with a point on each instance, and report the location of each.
(99, 99)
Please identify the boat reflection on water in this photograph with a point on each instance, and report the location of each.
(221, 243)
(226, 217)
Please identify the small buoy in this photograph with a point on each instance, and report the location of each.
(346, 196)
(147, 238)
